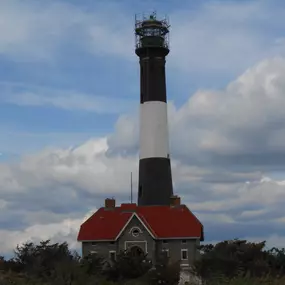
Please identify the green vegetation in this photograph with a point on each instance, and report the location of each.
(236, 262)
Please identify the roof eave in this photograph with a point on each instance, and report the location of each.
(187, 237)
(202, 233)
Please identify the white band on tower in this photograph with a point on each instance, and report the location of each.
(153, 130)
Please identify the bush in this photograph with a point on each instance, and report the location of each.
(236, 262)
(164, 272)
(238, 258)
(127, 266)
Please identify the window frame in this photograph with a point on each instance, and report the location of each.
(166, 250)
(182, 251)
(110, 255)
(135, 229)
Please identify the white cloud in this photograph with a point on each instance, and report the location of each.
(221, 36)
(246, 119)
(66, 230)
(214, 37)
(33, 30)
(226, 125)
(29, 30)
(242, 125)
(67, 100)
(260, 194)
(86, 167)
(60, 179)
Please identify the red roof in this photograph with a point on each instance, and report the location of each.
(161, 221)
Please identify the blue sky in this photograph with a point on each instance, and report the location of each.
(69, 96)
(66, 64)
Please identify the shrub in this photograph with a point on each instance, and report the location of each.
(126, 266)
(164, 272)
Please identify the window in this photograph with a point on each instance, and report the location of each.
(164, 241)
(184, 254)
(112, 255)
(112, 242)
(166, 252)
(93, 252)
(184, 241)
(135, 232)
(93, 243)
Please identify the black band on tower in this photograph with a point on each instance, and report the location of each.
(155, 181)
(153, 85)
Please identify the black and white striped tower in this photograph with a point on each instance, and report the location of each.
(155, 179)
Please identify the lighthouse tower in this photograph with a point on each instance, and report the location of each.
(155, 179)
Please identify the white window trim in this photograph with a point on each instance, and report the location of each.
(113, 251)
(135, 228)
(144, 225)
(183, 250)
(134, 242)
(93, 252)
(166, 250)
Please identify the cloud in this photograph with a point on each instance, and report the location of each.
(36, 31)
(224, 146)
(39, 193)
(220, 36)
(47, 195)
(213, 37)
(241, 125)
(22, 95)
(29, 30)
(66, 230)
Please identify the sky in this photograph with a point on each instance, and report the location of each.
(69, 107)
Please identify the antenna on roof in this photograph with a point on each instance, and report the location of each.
(131, 187)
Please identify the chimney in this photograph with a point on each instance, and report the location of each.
(110, 203)
(175, 201)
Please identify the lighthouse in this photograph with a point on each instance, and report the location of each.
(152, 47)
(139, 228)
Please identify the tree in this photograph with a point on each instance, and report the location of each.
(164, 272)
(93, 264)
(233, 258)
(276, 260)
(127, 266)
(41, 260)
